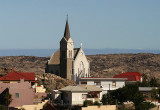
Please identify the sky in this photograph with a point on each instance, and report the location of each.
(97, 24)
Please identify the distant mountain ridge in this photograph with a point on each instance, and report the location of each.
(48, 52)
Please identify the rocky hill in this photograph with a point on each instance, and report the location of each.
(111, 64)
(101, 66)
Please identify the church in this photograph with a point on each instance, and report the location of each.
(68, 62)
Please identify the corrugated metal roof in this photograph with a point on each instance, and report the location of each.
(81, 88)
(102, 79)
(15, 76)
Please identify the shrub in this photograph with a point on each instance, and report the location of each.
(2, 107)
(97, 103)
(87, 103)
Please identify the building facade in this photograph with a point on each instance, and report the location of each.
(22, 93)
(104, 83)
(68, 62)
(76, 95)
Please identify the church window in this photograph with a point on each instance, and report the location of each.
(81, 66)
(70, 56)
(71, 53)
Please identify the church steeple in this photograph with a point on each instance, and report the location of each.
(67, 31)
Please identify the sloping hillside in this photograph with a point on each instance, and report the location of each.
(101, 66)
(109, 65)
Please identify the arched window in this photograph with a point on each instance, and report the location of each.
(71, 53)
(81, 69)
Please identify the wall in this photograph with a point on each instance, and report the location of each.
(33, 107)
(67, 98)
(77, 98)
(40, 89)
(26, 93)
(81, 58)
(106, 85)
(102, 107)
(53, 68)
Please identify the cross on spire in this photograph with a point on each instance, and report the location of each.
(67, 17)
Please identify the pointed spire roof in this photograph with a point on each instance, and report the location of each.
(67, 31)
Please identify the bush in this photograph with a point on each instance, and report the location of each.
(2, 107)
(97, 103)
(87, 103)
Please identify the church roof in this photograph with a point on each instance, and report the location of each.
(67, 31)
(55, 58)
(76, 50)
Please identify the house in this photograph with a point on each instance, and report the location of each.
(75, 95)
(22, 93)
(68, 62)
(131, 76)
(14, 77)
(147, 91)
(104, 83)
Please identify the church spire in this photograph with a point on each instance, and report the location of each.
(67, 32)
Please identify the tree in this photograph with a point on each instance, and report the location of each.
(154, 82)
(138, 100)
(2, 107)
(127, 93)
(7, 99)
(154, 93)
(107, 99)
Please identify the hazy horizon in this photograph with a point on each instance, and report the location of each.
(49, 52)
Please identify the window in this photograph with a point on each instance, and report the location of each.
(93, 95)
(113, 83)
(6, 82)
(71, 53)
(16, 95)
(97, 83)
(84, 96)
(83, 82)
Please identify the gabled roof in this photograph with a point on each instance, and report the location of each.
(55, 58)
(132, 76)
(82, 88)
(15, 76)
(76, 50)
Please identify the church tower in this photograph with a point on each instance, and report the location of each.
(66, 54)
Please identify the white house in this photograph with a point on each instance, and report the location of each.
(75, 95)
(104, 83)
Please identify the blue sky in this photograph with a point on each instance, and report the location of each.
(39, 24)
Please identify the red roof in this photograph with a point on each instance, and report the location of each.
(15, 76)
(132, 76)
